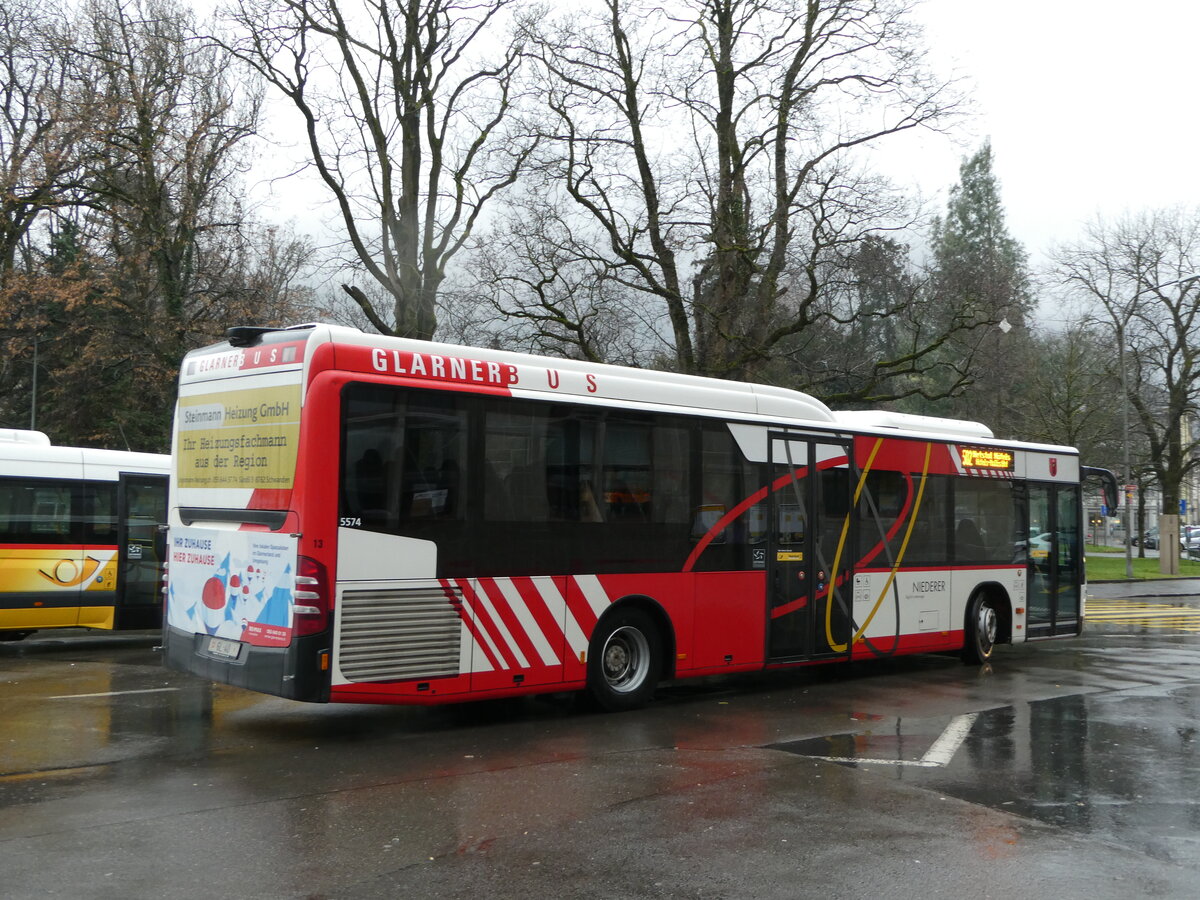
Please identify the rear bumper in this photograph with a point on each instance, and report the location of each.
(293, 672)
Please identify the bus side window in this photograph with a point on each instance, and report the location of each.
(569, 446)
(968, 542)
(435, 442)
(671, 477)
(515, 485)
(35, 510)
(719, 471)
(878, 508)
(372, 419)
(985, 513)
(887, 507)
(369, 480)
(627, 471)
(726, 481)
(9, 510)
(99, 511)
(930, 543)
(403, 457)
(526, 489)
(51, 515)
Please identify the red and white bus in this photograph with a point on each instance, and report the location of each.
(372, 519)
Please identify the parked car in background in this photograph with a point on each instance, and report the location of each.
(1189, 540)
(1149, 539)
(1039, 545)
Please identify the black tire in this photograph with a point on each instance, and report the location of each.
(982, 628)
(14, 635)
(624, 660)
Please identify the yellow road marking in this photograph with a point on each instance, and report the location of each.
(1139, 612)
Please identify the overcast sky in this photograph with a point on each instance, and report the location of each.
(1091, 105)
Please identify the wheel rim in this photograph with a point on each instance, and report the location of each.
(626, 659)
(986, 627)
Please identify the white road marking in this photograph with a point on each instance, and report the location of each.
(937, 756)
(113, 693)
(947, 745)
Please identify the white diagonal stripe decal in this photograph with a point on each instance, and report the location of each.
(522, 662)
(517, 604)
(557, 605)
(487, 637)
(593, 592)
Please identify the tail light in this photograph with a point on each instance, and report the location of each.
(310, 614)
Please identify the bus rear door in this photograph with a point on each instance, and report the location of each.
(141, 543)
(807, 599)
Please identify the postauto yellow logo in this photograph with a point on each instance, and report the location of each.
(41, 569)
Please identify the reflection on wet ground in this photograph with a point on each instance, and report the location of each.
(1119, 765)
(108, 761)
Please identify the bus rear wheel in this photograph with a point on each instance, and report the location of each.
(624, 660)
(983, 625)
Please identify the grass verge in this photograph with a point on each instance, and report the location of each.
(1112, 568)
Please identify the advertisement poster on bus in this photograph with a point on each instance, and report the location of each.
(239, 439)
(238, 585)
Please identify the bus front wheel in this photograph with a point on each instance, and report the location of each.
(624, 660)
(983, 625)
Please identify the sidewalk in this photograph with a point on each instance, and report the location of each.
(1146, 587)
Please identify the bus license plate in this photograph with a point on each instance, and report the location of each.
(223, 648)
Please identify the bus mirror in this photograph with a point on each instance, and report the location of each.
(1108, 485)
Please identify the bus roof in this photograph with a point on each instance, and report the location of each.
(879, 418)
(18, 436)
(538, 376)
(30, 453)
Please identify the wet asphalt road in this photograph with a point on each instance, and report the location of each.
(1066, 769)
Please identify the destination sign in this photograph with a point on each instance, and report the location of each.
(986, 458)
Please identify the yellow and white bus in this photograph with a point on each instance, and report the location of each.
(80, 536)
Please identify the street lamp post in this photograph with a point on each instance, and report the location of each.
(33, 385)
(1128, 465)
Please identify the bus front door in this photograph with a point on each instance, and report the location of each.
(142, 502)
(808, 612)
(1055, 560)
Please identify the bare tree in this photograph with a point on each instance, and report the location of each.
(174, 120)
(257, 274)
(1065, 395)
(710, 141)
(541, 293)
(406, 126)
(878, 331)
(1142, 275)
(152, 249)
(43, 120)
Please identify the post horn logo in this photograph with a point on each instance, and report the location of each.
(68, 573)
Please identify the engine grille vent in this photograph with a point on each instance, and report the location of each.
(399, 633)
